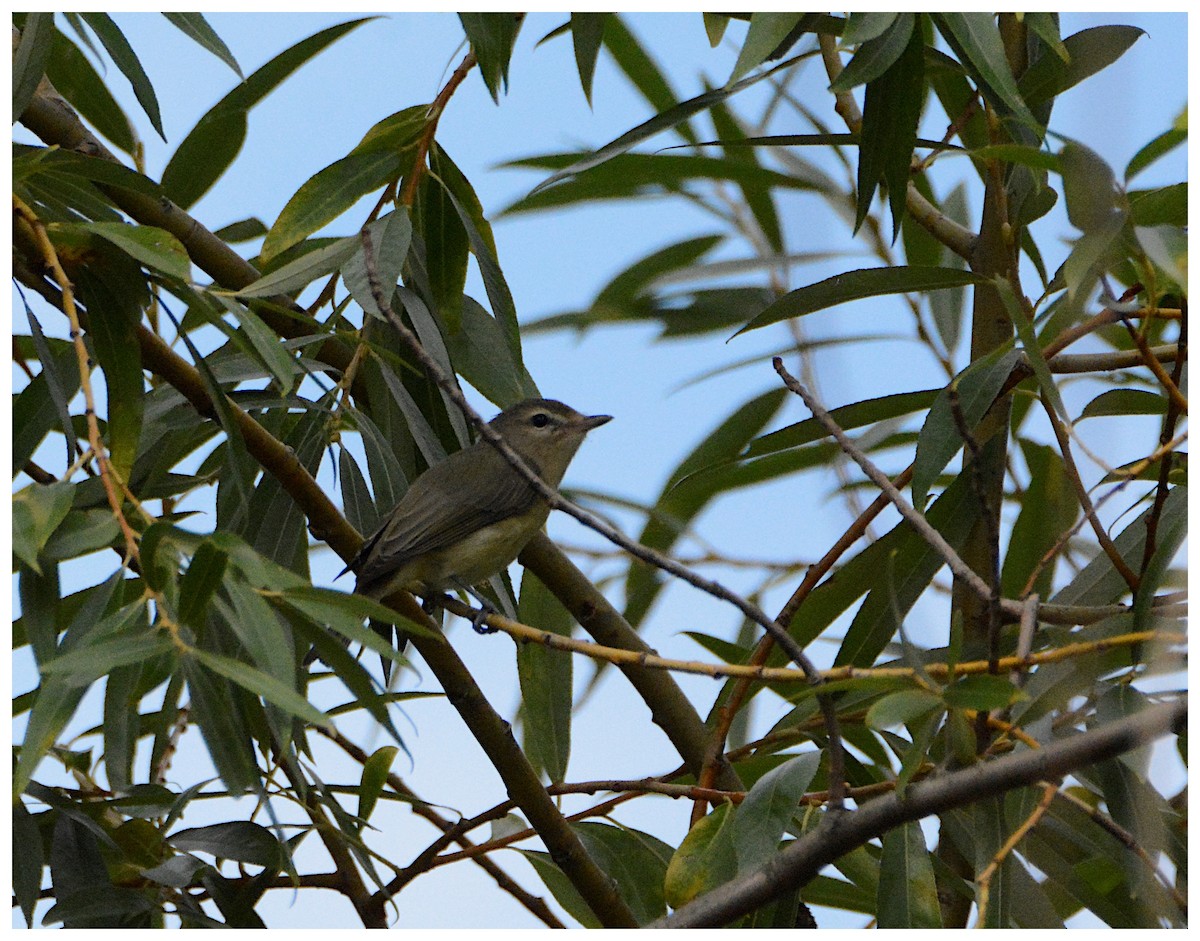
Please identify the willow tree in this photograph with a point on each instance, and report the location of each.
(298, 374)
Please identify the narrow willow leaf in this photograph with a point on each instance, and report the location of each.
(705, 859)
(766, 32)
(908, 896)
(891, 110)
(1048, 509)
(239, 840)
(492, 36)
(390, 238)
(641, 69)
(79, 82)
(374, 777)
(30, 58)
(1088, 52)
(261, 684)
(546, 677)
(127, 61)
(854, 285)
(326, 195)
(877, 54)
(153, 247)
(299, 273)
(767, 810)
(977, 387)
(587, 33)
(195, 26)
(975, 38)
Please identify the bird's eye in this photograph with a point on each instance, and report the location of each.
(540, 420)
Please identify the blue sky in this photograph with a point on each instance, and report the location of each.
(555, 262)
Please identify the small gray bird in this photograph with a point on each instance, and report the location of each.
(466, 518)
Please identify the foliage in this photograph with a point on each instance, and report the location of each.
(220, 383)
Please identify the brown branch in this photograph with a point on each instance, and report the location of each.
(108, 476)
(431, 122)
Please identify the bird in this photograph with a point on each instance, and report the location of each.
(468, 517)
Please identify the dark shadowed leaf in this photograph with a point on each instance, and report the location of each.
(1089, 51)
(492, 36)
(546, 676)
(195, 26)
(854, 285)
(127, 61)
(908, 896)
(587, 33)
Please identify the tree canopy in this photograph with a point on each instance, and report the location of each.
(966, 705)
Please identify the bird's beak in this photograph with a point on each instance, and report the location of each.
(588, 422)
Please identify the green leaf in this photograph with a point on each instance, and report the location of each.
(977, 387)
(115, 316)
(244, 230)
(1167, 205)
(767, 811)
(1090, 188)
(561, 888)
(326, 195)
(78, 81)
(211, 146)
(1159, 147)
(1048, 509)
(766, 32)
(628, 287)
(199, 583)
(975, 39)
(153, 247)
(896, 585)
(546, 677)
(447, 248)
(37, 511)
(758, 198)
(636, 861)
(30, 59)
(714, 27)
(127, 61)
(260, 684)
(1125, 402)
(981, 692)
(855, 285)
(901, 708)
(878, 53)
(299, 273)
(863, 27)
(1089, 51)
(483, 357)
(587, 33)
(1167, 247)
(195, 26)
(374, 777)
(238, 840)
(848, 417)
(891, 110)
(908, 896)
(492, 37)
(29, 863)
(705, 859)
(390, 238)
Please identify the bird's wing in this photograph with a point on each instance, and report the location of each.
(437, 512)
